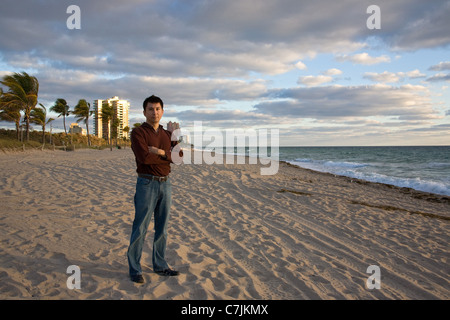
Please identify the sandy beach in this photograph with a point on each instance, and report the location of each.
(233, 233)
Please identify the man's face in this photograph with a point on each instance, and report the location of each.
(153, 113)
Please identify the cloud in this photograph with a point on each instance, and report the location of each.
(217, 28)
(417, 25)
(5, 73)
(384, 77)
(300, 65)
(175, 91)
(443, 65)
(325, 77)
(313, 81)
(439, 77)
(415, 74)
(224, 119)
(330, 102)
(332, 72)
(218, 38)
(201, 38)
(215, 115)
(393, 77)
(363, 58)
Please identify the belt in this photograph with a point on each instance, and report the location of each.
(150, 177)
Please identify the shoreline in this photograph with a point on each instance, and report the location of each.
(430, 196)
(233, 233)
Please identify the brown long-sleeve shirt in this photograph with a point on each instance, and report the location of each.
(144, 137)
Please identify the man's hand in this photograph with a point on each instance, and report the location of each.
(159, 152)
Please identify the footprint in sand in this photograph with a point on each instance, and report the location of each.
(94, 257)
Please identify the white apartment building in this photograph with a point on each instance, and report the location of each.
(121, 109)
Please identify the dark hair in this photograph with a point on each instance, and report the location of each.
(153, 99)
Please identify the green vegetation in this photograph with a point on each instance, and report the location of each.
(59, 141)
(18, 104)
(22, 96)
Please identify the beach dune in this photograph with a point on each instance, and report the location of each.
(233, 233)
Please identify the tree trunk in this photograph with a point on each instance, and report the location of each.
(64, 121)
(43, 136)
(87, 129)
(17, 129)
(28, 128)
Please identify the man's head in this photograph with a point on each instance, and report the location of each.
(153, 99)
(153, 110)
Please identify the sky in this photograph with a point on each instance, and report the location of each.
(318, 71)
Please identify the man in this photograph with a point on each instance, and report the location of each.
(152, 148)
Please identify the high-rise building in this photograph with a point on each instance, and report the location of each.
(75, 128)
(120, 108)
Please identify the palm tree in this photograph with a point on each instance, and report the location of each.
(115, 129)
(125, 130)
(10, 113)
(22, 93)
(62, 109)
(82, 112)
(39, 116)
(107, 116)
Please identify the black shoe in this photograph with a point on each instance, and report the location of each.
(168, 273)
(137, 278)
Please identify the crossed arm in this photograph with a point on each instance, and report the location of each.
(159, 152)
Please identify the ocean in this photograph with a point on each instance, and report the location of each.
(423, 168)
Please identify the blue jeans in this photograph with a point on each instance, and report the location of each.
(151, 197)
